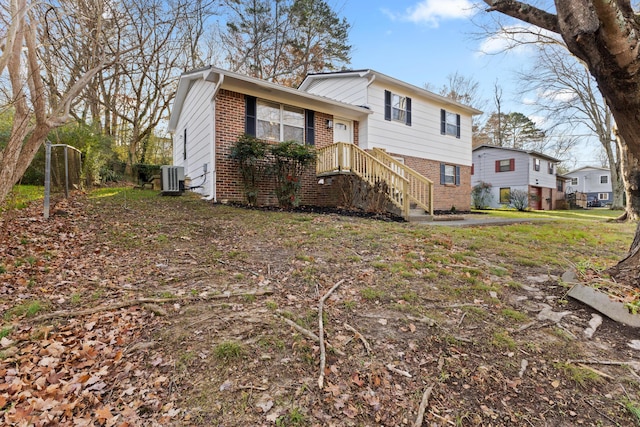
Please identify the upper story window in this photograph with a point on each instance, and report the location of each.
(397, 108)
(550, 168)
(277, 122)
(536, 164)
(574, 181)
(449, 123)
(506, 165)
(604, 179)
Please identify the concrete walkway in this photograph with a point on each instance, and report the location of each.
(478, 220)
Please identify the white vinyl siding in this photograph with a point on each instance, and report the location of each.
(352, 90)
(591, 180)
(423, 138)
(196, 118)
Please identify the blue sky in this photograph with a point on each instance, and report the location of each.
(424, 41)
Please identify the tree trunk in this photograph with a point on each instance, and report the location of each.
(630, 170)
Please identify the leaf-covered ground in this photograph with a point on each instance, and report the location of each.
(126, 309)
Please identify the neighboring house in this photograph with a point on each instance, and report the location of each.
(508, 169)
(361, 123)
(593, 181)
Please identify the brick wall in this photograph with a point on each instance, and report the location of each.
(230, 110)
(444, 196)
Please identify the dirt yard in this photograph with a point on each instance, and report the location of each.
(130, 309)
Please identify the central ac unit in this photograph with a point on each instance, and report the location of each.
(172, 180)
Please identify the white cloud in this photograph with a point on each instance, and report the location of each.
(431, 12)
(540, 121)
(519, 39)
(562, 95)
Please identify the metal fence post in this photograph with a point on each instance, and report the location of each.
(47, 178)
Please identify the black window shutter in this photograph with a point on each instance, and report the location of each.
(442, 177)
(387, 105)
(457, 125)
(408, 122)
(184, 144)
(250, 115)
(310, 134)
(458, 175)
(443, 122)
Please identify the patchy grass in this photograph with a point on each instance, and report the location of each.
(229, 350)
(221, 352)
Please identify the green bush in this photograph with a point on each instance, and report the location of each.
(481, 195)
(291, 158)
(250, 153)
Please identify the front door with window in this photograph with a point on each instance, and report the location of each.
(342, 130)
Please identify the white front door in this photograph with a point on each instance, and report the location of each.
(342, 130)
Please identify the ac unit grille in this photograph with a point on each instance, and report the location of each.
(172, 179)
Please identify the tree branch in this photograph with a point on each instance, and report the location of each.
(526, 13)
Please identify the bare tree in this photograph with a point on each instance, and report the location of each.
(567, 94)
(465, 90)
(39, 106)
(606, 37)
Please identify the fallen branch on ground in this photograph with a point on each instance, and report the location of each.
(141, 301)
(359, 336)
(423, 406)
(323, 356)
(606, 362)
(398, 371)
(307, 333)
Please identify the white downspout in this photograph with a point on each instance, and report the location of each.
(212, 194)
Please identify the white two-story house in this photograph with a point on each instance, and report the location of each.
(414, 140)
(594, 182)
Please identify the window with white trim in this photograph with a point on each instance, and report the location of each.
(449, 174)
(574, 181)
(397, 108)
(536, 165)
(278, 122)
(603, 196)
(550, 169)
(604, 179)
(449, 123)
(505, 165)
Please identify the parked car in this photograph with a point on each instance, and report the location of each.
(595, 203)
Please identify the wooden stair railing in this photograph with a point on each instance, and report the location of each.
(343, 157)
(420, 187)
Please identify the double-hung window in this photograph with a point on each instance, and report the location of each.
(536, 165)
(574, 181)
(506, 165)
(272, 121)
(449, 123)
(550, 168)
(277, 122)
(397, 108)
(449, 174)
(604, 179)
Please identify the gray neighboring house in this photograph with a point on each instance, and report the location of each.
(593, 181)
(508, 169)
